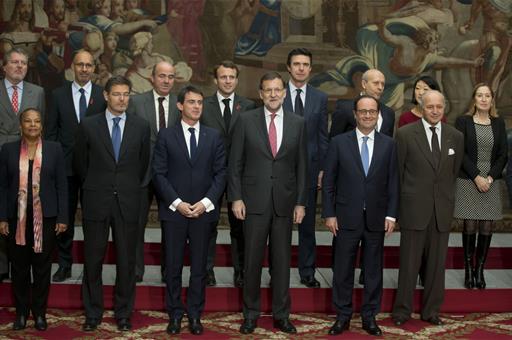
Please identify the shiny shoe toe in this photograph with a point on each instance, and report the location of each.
(40, 323)
(339, 326)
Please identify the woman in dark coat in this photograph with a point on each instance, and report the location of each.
(33, 209)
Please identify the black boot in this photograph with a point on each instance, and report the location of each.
(468, 242)
(484, 241)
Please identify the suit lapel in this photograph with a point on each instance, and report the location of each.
(171, 112)
(128, 126)
(354, 148)
(151, 111)
(202, 141)
(287, 104)
(309, 100)
(376, 155)
(422, 141)
(262, 126)
(26, 97)
(237, 110)
(445, 145)
(4, 99)
(180, 140)
(216, 112)
(105, 134)
(69, 103)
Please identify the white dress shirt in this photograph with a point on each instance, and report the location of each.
(278, 122)
(75, 90)
(293, 94)
(427, 126)
(220, 99)
(165, 104)
(206, 201)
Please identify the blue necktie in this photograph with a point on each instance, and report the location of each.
(193, 142)
(365, 155)
(82, 105)
(116, 137)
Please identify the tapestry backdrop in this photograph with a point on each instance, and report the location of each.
(459, 42)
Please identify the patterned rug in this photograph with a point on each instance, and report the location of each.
(66, 324)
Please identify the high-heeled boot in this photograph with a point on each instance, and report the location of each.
(468, 242)
(482, 248)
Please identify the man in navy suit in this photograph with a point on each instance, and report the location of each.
(310, 103)
(360, 204)
(222, 117)
(372, 82)
(189, 176)
(69, 105)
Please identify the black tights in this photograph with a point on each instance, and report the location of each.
(484, 227)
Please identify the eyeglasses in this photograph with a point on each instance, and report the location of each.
(364, 112)
(269, 92)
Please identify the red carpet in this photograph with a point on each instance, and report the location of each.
(498, 258)
(66, 324)
(218, 299)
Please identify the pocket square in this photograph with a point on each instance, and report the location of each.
(451, 152)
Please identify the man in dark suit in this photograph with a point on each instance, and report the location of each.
(111, 159)
(310, 103)
(16, 95)
(372, 82)
(360, 204)
(189, 176)
(69, 105)
(158, 108)
(221, 112)
(430, 154)
(267, 184)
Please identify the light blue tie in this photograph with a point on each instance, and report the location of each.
(365, 155)
(116, 137)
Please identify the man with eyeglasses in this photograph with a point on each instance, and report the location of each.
(158, 108)
(267, 185)
(70, 104)
(111, 160)
(221, 112)
(360, 204)
(16, 95)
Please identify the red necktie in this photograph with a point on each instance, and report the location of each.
(14, 100)
(272, 135)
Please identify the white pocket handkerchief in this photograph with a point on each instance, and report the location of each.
(451, 152)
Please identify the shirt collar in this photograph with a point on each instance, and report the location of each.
(111, 116)
(87, 87)
(220, 97)
(8, 84)
(293, 88)
(360, 135)
(279, 112)
(156, 95)
(427, 125)
(185, 126)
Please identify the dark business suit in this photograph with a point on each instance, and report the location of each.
(343, 118)
(143, 105)
(426, 211)
(213, 117)
(62, 126)
(176, 175)
(110, 197)
(33, 96)
(315, 115)
(360, 203)
(270, 189)
(53, 195)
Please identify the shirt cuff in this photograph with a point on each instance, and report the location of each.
(174, 205)
(392, 219)
(207, 204)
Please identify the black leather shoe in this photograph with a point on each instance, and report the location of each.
(435, 320)
(123, 325)
(371, 327)
(138, 278)
(195, 327)
(284, 325)
(248, 326)
(310, 282)
(398, 320)
(174, 326)
(238, 279)
(210, 278)
(339, 326)
(90, 324)
(20, 323)
(61, 275)
(40, 323)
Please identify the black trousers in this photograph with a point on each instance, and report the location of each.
(431, 245)
(277, 230)
(95, 245)
(31, 295)
(347, 244)
(65, 239)
(236, 233)
(196, 232)
(307, 238)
